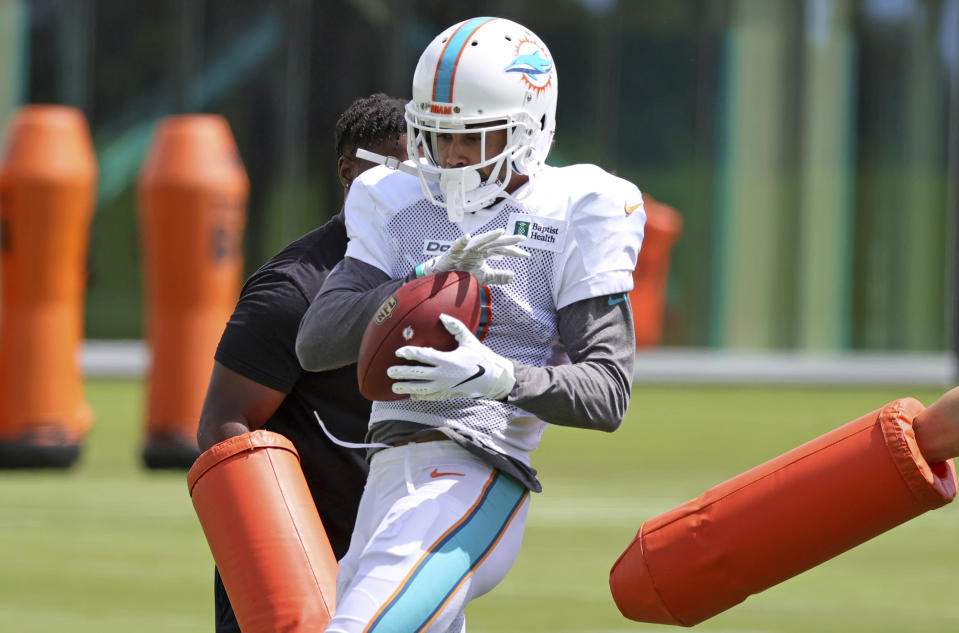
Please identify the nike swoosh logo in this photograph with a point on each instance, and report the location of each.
(479, 372)
(614, 300)
(629, 209)
(436, 473)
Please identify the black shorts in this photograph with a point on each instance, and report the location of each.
(225, 618)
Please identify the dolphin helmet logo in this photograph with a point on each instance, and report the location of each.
(533, 65)
(530, 64)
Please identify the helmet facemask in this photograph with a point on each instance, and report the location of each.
(462, 189)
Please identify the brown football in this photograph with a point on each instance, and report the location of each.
(410, 316)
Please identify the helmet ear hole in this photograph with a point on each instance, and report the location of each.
(542, 123)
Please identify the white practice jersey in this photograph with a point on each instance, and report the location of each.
(584, 230)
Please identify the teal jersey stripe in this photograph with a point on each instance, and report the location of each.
(446, 68)
(443, 568)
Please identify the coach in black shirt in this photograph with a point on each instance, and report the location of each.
(257, 381)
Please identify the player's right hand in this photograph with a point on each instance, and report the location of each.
(472, 370)
(469, 254)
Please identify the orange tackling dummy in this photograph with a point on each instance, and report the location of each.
(265, 534)
(788, 515)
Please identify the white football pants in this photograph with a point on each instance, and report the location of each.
(436, 528)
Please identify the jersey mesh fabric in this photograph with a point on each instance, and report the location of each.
(523, 327)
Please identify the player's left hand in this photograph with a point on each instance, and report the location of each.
(472, 370)
(469, 253)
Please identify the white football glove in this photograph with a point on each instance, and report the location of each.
(472, 370)
(470, 254)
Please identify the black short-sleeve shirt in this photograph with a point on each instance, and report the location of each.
(259, 343)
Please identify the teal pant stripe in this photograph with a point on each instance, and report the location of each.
(452, 558)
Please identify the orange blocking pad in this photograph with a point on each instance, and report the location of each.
(48, 176)
(648, 296)
(265, 534)
(192, 195)
(780, 519)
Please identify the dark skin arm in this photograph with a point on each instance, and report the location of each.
(937, 428)
(234, 405)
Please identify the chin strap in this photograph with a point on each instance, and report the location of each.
(458, 186)
(390, 161)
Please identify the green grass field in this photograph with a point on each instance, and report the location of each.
(111, 548)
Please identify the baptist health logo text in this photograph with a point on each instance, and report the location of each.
(536, 231)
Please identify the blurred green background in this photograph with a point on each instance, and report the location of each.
(810, 145)
(110, 547)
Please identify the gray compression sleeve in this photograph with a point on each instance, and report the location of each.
(592, 392)
(332, 327)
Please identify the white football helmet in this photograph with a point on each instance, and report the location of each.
(481, 75)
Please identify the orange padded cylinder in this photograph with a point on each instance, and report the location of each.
(192, 194)
(265, 535)
(48, 176)
(648, 297)
(780, 519)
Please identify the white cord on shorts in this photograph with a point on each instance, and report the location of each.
(410, 487)
(340, 442)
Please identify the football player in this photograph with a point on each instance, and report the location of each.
(444, 509)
